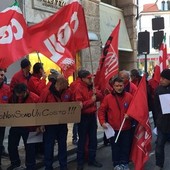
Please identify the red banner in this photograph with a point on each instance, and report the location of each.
(163, 57)
(108, 65)
(61, 35)
(138, 110)
(156, 75)
(14, 39)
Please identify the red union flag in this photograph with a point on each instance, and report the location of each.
(163, 57)
(138, 109)
(61, 35)
(156, 75)
(108, 65)
(13, 36)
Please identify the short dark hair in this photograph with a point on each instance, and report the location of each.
(25, 63)
(20, 88)
(117, 79)
(166, 74)
(134, 72)
(83, 73)
(37, 67)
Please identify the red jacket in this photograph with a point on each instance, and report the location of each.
(4, 93)
(84, 94)
(36, 84)
(46, 96)
(130, 87)
(18, 77)
(136, 81)
(73, 87)
(153, 84)
(115, 110)
(32, 98)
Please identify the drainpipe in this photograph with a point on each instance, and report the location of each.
(137, 3)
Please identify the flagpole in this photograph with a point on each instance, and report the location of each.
(38, 56)
(92, 71)
(120, 129)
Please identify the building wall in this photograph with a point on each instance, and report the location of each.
(5, 4)
(128, 60)
(90, 56)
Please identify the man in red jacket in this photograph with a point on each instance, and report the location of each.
(88, 123)
(37, 81)
(115, 106)
(23, 75)
(73, 87)
(4, 94)
(57, 92)
(128, 85)
(36, 84)
(20, 94)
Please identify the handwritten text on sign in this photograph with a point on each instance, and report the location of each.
(31, 114)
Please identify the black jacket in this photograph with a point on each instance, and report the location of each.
(162, 120)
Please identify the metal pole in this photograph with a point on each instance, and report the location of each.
(146, 64)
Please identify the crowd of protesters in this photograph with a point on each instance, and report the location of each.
(114, 102)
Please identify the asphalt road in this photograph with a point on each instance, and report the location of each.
(104, 157)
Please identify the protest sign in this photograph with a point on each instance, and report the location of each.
(33, 114)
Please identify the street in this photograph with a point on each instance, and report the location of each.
(104, 157)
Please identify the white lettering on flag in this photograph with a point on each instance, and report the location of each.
(7, 34)
(56, 46)
(142, 138)
(111, 62)
(67, 62)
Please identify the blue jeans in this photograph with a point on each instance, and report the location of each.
(51, 133)
(160, 145)
(87, 127)
(14, 137)
(121, 149)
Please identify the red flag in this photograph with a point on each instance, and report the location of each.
(163, 57)
(14, 39)
(138, 110)
(61, 35)
(156, 75)
(108, 65)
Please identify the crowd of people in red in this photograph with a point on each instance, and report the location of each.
(114, 102)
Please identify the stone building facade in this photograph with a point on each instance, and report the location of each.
(127, 60)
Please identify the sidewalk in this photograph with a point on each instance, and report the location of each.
(70, 147)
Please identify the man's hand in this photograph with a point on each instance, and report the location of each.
(104, 125)
(40, 129)
(94, 98)
(81, 104)
(126, 116)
